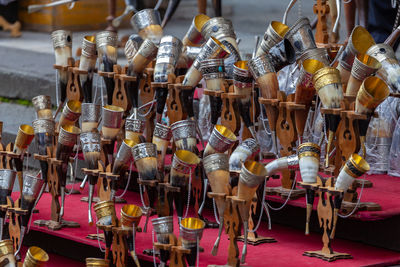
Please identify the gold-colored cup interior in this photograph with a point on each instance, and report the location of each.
(75, 106)
(129, 142)
(90, 38)
(369, 61)
(226, 132)
(113, 108)
(97, 262)
(132, 210)
(192, 223)
(280, 28)
(376, 88)
(360, 163)
(242, 64)
(255, 168)
(220, 44)
(26, 129)
(38, 254)
(312, 65)
(200, 20)
(187, 156)
(71, 129)
(362, 40)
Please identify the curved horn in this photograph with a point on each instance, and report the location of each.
(172, 6)
(288, 8)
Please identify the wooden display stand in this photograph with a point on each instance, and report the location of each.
(74, 90)
(177, 252)
(56, 222)
(14, 160)
(120, 96)
(230, 116)
(326, 192)
(233, 226)
(347, 143)
(287, 135)
(175, 110)
(146, 95)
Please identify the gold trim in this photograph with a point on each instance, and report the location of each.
(326, 76)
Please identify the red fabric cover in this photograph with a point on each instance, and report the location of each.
(286, 252)
(385, 191)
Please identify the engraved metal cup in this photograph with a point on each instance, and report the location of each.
(7, 252)
(354, 167)
(134, 128)
(244, 151)
(390, 70)
(42, 105)
(91, 148)
(132, 46)
(161, 137)
(373, 91)
(221, 29)
(61, 38)
(30, 191)
(105, 212)
(24, 138)
(263, 72)
(71, 113)
(130, 214)
(35, 257)
(191, 232)
(146, 53)
(221, 139)
(91, 114)
(273, 35)
(124, 156)
(112, 121)
(300, 36)
(183, 164)
(68, 135)
(193, 36)
(363, 67)
(184, 133)
(7, 179)
(95, 262)
(167, 58)
(320, 54)
(359, 42)
(213, 48)
(163, 227)
(145, 156)
(147, 23)
(327, 82)
(251, 176)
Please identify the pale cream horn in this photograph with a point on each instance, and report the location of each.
(221, 140)
(244, 151)
(145, 156)
(309, 156)
(42, 104)
(161, 138)
(147, 23)
(167, 57)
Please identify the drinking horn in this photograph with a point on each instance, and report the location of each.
(87, 63)
(147, 23)
(273, 35)
(106, 43)
(7, 179)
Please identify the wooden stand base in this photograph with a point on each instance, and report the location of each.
(254, 241)
(99, 237)
(348, 207)
(54, 226)
(327, 256)
(284, 192)
(86, 199)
